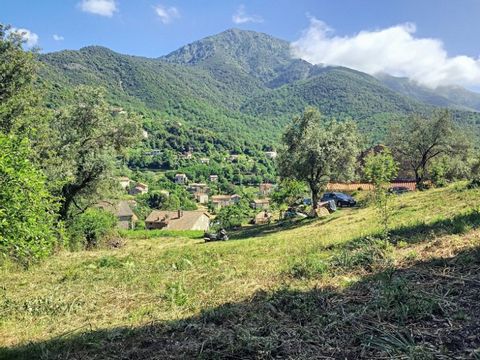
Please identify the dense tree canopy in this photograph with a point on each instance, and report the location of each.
(317, 150)
(419, 140)
(86, 138)
(27, 210)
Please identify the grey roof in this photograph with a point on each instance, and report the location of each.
(120, 208)
(185, 222)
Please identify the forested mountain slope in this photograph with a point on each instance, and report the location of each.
(246, 86)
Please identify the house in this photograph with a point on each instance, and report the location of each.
(233, 157)
(260, 204)
(219, 201)
(270, 154)
(201, 197)
(181, 179)
(198, 188)
(263, 217)
(121, 209)
(186, 155)
(124, 182)
(140, 188)
(213, 178)
(205, 161)
(178, 220)
(165, 192)
(265, 189)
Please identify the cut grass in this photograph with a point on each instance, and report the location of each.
(310, 282)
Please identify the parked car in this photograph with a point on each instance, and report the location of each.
(339, 198)
(397, 190)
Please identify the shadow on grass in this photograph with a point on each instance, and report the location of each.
(421, 231)
(459, 224)
(429, 310)
(263, 230)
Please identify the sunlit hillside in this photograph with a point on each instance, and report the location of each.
(275, 291)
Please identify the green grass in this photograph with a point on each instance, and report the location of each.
(167, 278)
(153, 234)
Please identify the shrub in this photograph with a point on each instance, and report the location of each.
(27, 210)
(91, 227)
(369, 254)
(398, 300)
(474, 183)
(307, 268)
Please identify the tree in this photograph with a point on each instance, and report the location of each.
(27, 210)
(419, 140)
(85, 140)
(380, 169)
(233, 216)
(156, 199)
(316, 151)
(288, 192)
(17, 74)
(90, 227)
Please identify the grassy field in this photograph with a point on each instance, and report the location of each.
(324, 288)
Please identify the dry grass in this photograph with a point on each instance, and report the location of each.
(312, 282)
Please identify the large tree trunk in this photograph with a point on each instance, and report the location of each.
(65, 206)
(315, 192)
(418, 177)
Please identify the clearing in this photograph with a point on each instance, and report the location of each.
(310, 289)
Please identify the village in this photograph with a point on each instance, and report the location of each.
(209, 200)
(179, 219)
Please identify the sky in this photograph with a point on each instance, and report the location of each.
(435, 42)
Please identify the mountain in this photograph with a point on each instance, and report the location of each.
(455, 97)
(245, 87)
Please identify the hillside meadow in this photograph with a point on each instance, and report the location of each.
(324, 288)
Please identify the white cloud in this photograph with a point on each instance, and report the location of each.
(241, 16)
(30, 38)
(99, 7)
(58, 37)
(167, 14)
(394, 50)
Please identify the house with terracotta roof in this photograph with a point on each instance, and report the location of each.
(219, 201)
(178, 220)
(260, 204)
(198, 188)
(140, 188)
(263, 217)
(265, 189)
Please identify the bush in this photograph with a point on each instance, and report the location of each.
(232, 216)
(370, 254)
(27, 211)
(90, 228)
(474, 183)
(308, 268)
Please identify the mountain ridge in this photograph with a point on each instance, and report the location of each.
(239, 80)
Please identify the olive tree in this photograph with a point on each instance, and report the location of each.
(317, 150)
(418, 140)
(86, 138)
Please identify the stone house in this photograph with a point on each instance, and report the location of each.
(181, 179)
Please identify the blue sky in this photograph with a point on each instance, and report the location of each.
(154, 28)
